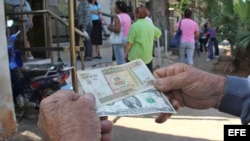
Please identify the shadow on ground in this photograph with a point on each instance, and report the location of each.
(129, 134)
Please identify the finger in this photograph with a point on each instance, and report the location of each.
(106, 126)
(169, 70)
(176, 104)
(87, 98)
(169, 73)
(162, 117)
(166, 84)
(106, 137)
(90, 97)
(177, 99)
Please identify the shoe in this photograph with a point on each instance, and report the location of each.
(207, 59)
(88, 59)
(30, 58)
(99, 57)
(216, 56)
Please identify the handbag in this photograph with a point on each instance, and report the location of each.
(116, 38)
(176, 40)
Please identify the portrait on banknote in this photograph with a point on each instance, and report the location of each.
(132, 102)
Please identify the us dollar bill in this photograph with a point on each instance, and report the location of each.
(147, 102)
(114, 83)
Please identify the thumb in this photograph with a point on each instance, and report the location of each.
(161, 84)
(86, 103)
(170, 83)
(90, 97)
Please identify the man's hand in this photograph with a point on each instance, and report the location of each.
(187, 86)
(68, 116)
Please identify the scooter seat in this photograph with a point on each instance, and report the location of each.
(44, 66)
(36, 70)
(37, 73)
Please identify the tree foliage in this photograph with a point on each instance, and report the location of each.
(242, 8)
(234, 24)
(232, 18)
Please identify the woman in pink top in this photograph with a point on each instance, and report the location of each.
(122, 23)
(190, 32)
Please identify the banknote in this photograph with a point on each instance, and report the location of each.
(117, 82)
(147, 102)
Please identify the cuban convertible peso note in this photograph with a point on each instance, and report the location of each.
(114, 83)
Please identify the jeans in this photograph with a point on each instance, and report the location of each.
(119, 50)
(210, 49)
(88, 43)
(203, 45)
(186, 51)
(216, 47)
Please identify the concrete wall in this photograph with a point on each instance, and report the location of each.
(7, 114)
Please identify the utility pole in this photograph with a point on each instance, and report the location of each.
(7, 115)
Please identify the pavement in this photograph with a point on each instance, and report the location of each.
(186, 125)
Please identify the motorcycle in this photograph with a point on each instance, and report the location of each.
(33, 82)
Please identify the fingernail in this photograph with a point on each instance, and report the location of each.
(89, 97)
(159, 81)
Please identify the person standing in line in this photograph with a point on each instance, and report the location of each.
(140, 38)
(85, 23)
(96, 35)
(18, 6)
(216, 46)
(211, 41)
(122, 23)
(29, 25)
(190, 32)
(203, 38)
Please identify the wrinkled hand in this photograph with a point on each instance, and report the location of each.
(187, 86)
(68, 116)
